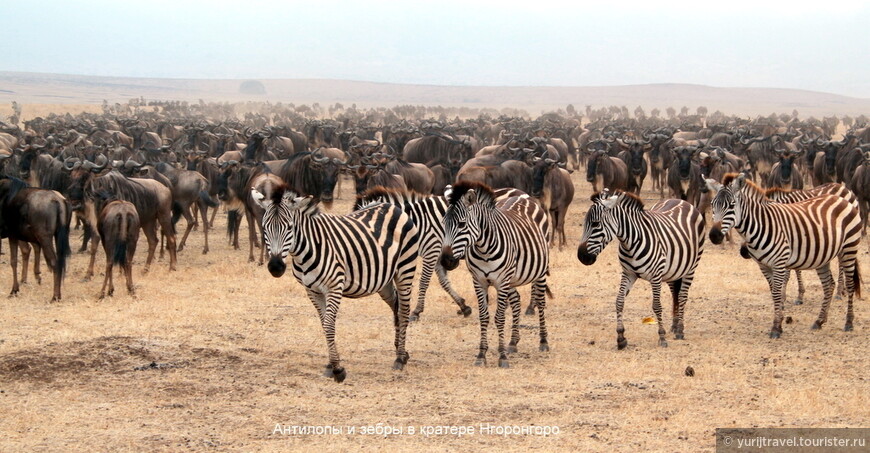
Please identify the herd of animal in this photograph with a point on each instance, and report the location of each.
(494, 192)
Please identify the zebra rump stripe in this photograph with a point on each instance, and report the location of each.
(506, 245)
(801, 235)
(427, 212)
(662, 244)
(373, 250)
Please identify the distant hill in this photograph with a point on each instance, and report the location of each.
(36, 88)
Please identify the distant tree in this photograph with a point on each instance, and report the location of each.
(639, 113)
(848, 121)
(794, 113)
(701, 111)
(570, 110)
(684, 111)
(252, 87)
(672, 113)
(655, 113)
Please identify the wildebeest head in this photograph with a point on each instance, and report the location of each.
(786, 164)
(683, 156)
(539, 174)
(635, 149)
(330, 167)
(592, 164)
(81, 176)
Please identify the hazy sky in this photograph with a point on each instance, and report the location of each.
(534, 42)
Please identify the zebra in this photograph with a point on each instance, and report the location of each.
(801, 235)
(373, 250)
(785, 196)
(662, 244)
(427, 212)
(505, 244)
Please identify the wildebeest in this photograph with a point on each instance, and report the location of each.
(606, 172)
(189, 188)
(552, 185)
(119, 230)
(36, 216)
(234, 189)
(684, 175)
(825, 160)
(784, 174)
(859, 184)
(510, 174)
(632, 155)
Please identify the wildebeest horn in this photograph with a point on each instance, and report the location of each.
(71, 163)
(101, 162)
(549, 161)
(353, 167)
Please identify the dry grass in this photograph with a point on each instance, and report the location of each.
(239, 351)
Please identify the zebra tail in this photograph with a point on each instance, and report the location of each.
(675, 294)
(549, 293)
(856, 280)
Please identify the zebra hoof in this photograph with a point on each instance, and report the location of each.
(544, 347)
(465, 311)
(503, 363)
(512, 348)
(621, 344)
(398, 365)
(774, 335)
(798, 302)
(530, 311)
(744, 252)
(414, 317)
(339, 374)
(480, 361)
(679, 336)
(663, 343)
(816, 325)
(848, 328)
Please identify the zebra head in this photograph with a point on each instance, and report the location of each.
(460, 225)
(724, 215)
(280, 222)
(596, 234)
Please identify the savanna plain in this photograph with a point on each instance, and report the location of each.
(216, 354)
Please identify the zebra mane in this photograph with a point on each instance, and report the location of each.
(729, 178)
(484, 192)
(388, 195)
(630, 200)
(773, 191)
(278, 193)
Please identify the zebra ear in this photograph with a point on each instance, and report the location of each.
(739, 181)
(260, 199)
(713, 185)
(299, 202)
(470, 197)
(610, 202)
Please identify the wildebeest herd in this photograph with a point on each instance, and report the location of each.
(430, 193)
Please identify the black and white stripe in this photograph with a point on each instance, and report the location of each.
(505, 244)
(801, 235)
(427, 212)
(373, 250)
(662, 244)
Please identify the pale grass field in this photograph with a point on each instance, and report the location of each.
(245, 352)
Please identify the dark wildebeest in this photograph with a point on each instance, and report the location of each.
(189, 188)
(234, 189)
(632, 155)
(552, 185)
(513, 174)
(859, 184)
(684, 175)
(438, 149)
(784, 174)
(606, 172)
(660, 159)
(152, 199)
(119, 230)
(824, 165)
(35, 216)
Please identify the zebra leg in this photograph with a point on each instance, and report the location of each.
(683, 298)
(319, 302)
(827, 279)
(514, 302)
(501, 305)
(657, 309)
(464, 310)
(776, 279)
(333, 300)
(425, 278)
(842, 291)
(539, 290)
(625, 285)
(480, 290)
(801, 289)
(400, 306)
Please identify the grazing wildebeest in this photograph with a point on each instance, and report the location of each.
(119, 230)
(606, 172)
(36, 216)
(552, 185)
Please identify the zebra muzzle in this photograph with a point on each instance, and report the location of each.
(584, 256)
(276, 266)
(716, 235)
(448, 260)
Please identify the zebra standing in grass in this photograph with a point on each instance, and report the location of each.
(662, 244)
(373, 250)
(427, 212)
(506, 245)
(801, 235)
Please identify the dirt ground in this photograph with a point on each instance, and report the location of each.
(219, 354)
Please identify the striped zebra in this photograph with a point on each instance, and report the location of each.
(662, 244)
(373, 250)
(786, 196)
(801, 235)
(427, 212)
(505, 244)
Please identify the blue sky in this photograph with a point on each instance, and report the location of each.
(731, 44)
